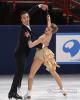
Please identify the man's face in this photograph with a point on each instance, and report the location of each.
(25, 19)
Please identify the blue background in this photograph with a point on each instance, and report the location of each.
(9, 35)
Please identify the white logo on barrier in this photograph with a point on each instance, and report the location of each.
(68, 48)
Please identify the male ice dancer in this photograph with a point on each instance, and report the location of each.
(22, 50)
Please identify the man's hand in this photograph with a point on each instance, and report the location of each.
(27, 34)
(43, 6)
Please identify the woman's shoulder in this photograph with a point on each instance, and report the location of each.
(42, 36)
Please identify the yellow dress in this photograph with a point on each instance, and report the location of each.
(47, 56)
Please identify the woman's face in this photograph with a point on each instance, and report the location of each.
(48, 30)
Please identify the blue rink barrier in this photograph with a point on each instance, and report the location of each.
(9, 35)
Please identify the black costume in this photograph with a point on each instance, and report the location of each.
(21, 52)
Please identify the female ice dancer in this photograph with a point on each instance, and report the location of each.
(44, 56)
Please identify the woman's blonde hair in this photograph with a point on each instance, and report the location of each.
(54, 28)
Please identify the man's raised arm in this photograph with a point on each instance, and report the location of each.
(35, 8)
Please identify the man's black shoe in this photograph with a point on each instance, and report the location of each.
(14, 95)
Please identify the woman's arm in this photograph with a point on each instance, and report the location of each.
(41, 39)
(31, 44)
(48, 20)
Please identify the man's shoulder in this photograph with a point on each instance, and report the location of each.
(24, 27)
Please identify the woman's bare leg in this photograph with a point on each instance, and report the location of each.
(34, 68)
(58, 80)
(55, 74)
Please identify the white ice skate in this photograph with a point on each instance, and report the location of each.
(27, 96)
(63, 92)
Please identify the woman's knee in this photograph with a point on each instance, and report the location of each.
(53, 71)
(30, 77)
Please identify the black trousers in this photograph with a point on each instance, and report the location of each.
(20, 64)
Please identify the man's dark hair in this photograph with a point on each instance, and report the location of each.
(23, 12)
